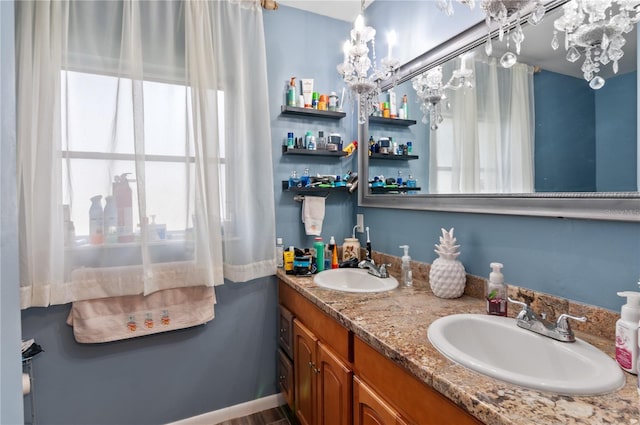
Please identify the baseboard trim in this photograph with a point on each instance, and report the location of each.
(231, 412)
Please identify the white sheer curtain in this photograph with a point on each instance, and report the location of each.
(174, 94)
(485, 143)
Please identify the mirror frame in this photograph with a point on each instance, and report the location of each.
(615, 206)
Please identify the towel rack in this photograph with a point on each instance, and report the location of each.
(300, 198)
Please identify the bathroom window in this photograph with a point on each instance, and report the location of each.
(97, 147)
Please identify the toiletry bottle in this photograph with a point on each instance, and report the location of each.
(327, 256)
(369, 254)
(124, 206)
(305, 180)
(319, 247)
(350, 249)
(311, 143)
(332, 254)
(294, 181)
(399, 178)
(407, 275)
(405, 107)
(496, 292)
(291, 93)
(333, 101)
(321, 144)
(279, 253)
(289, 256)
(96, 221)
(110, 229)
(290, 141)
(627, 332)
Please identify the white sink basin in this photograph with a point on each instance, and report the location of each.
(354, 280)
(497, 347)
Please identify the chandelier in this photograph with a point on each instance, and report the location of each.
(432, 91)
(505, 13)
(360, 72)
(593, 27)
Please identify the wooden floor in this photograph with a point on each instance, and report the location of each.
(277, 416)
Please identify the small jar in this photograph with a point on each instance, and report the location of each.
(350, 249)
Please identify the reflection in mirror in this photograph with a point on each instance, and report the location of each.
(536, 127)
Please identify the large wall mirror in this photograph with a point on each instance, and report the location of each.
(563, 148)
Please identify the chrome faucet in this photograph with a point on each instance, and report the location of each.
(377, 271)
(561, 330)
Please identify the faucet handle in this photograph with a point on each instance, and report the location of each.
(563, 324)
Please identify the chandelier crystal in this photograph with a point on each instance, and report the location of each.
(505, 13)
(596, 29)
(432, 91)
(360, 72)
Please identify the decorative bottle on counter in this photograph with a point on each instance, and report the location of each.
(350, 249)
(496, 292)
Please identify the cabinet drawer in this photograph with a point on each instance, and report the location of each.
(285, 331)
(321, 324)
(285, 377)
(414, 399)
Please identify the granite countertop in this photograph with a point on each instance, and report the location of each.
(396, 322)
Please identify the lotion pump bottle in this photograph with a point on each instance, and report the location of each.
(407, 275)
(496, 292)
(627, 332)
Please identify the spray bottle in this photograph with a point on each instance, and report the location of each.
(627, 332)
(123, 196)
(407, 275)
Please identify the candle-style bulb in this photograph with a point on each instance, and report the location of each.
(391, 40)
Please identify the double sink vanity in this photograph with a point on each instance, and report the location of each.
(349, 355)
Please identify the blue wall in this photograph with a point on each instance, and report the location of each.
(616, 134)
(306, 45)
(583, 260)
(158, 378)
(565, 138)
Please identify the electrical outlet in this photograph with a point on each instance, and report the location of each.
(360, 223)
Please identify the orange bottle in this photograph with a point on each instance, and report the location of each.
(334, 257)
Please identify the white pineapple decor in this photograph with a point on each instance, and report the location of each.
(447, 276)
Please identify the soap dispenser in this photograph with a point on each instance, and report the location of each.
(627, 332)
(496, 292)
(407, 275)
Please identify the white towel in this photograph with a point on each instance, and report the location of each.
(313, 214)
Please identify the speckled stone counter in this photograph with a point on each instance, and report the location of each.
(395, 323)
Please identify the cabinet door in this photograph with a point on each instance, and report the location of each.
(285, 334)
(304, 366)
(334, 389)
(285, 377)
(370, 409)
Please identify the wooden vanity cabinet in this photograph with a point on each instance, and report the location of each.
(322, 373)
(418, 403)
(370, 409)
(340, 380)
(285, 355)
(285, 377)
(322, 381)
